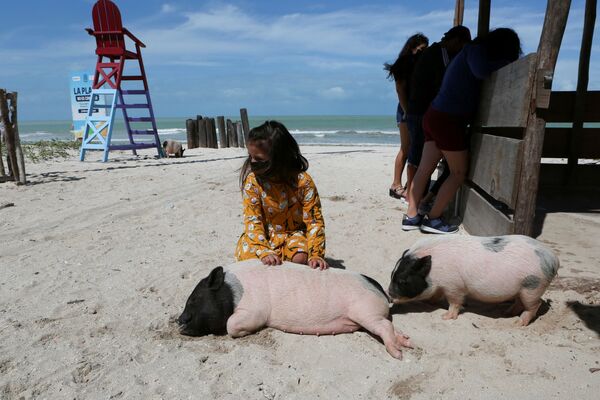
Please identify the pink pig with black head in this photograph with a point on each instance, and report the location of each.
(246, 296)
(488, 269)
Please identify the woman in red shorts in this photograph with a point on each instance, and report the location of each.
(445, 123)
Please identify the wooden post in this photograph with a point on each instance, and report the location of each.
(199, 130)
(202, 138)
(206, 121)
(483, 21)
(2, 170)
(231, 134)
(547, 53)
(213, 133)
(459, 12)
(245, 124)
(222, 134)
(240, 133)
(9, 137)
(190, 127)
(582, 85)
(12, 107)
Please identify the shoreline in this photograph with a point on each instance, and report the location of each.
(98, 259)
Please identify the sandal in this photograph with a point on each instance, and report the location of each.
(398, 193)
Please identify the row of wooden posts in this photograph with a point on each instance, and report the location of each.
(9, 137)
(202, 131)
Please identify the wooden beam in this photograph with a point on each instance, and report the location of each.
(231, 134)
(2, 170)
(240, 134)
(505, 95)
(6, 130)
(582, 84)
(245, 123)
(483, 21)
(190, 128)
(480, 217)
(556, 143)
(12, 108)
(555, 22)
(222, 133)
(562, 107)
(496, 166)
(459, 12)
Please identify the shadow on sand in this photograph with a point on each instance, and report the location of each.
(589, 314)
(495, 311)
(564, 200)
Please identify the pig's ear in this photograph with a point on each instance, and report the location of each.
(423, 266)
(216, 278)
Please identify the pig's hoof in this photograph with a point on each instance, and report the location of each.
(403, 340)
(449, 315)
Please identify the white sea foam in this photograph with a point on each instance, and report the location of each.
(338, 132)
(172, 131)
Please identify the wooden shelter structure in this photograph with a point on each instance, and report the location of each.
(510, 134)
(108, 80)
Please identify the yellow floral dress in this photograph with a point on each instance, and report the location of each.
(281, 220)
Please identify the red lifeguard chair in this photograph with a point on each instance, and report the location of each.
(108, 78)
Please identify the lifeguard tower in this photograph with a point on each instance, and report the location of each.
(109, 78)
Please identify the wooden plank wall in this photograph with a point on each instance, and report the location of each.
(495, 164)
(505, 93)
(557, 141)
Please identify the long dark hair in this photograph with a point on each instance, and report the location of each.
(412, 43)
(501, 44)
(285, 160)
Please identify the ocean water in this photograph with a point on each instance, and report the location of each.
(308, 130)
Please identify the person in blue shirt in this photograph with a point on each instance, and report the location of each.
(446, 120)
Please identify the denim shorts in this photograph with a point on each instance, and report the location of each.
(417, 138)
(400, 115)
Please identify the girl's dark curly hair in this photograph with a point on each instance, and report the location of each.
(501, 44)
(285, 161)
(412, 43)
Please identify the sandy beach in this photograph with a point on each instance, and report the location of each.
(98, 259)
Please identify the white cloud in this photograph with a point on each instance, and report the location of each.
(167, 8)
(334, 93)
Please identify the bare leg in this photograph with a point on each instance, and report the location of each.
(401, 156)
(411, 170)
(429, 160)
(458, 162)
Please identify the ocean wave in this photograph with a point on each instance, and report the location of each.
(36, 134)
(171, 131)
(338, 132)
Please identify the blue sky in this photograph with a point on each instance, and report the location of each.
(284, 57)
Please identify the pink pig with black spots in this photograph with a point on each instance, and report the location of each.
(488, 269)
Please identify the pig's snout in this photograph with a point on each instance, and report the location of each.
(184, 319)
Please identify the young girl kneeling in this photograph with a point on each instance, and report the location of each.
(282, 210)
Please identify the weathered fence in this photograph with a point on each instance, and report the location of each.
(507, 138)
(9, 136)
(206, 132)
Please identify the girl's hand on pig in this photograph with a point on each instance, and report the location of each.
(317, 262)
(271, 259)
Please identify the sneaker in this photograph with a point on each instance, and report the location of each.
(411, 224)
(437, 225)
